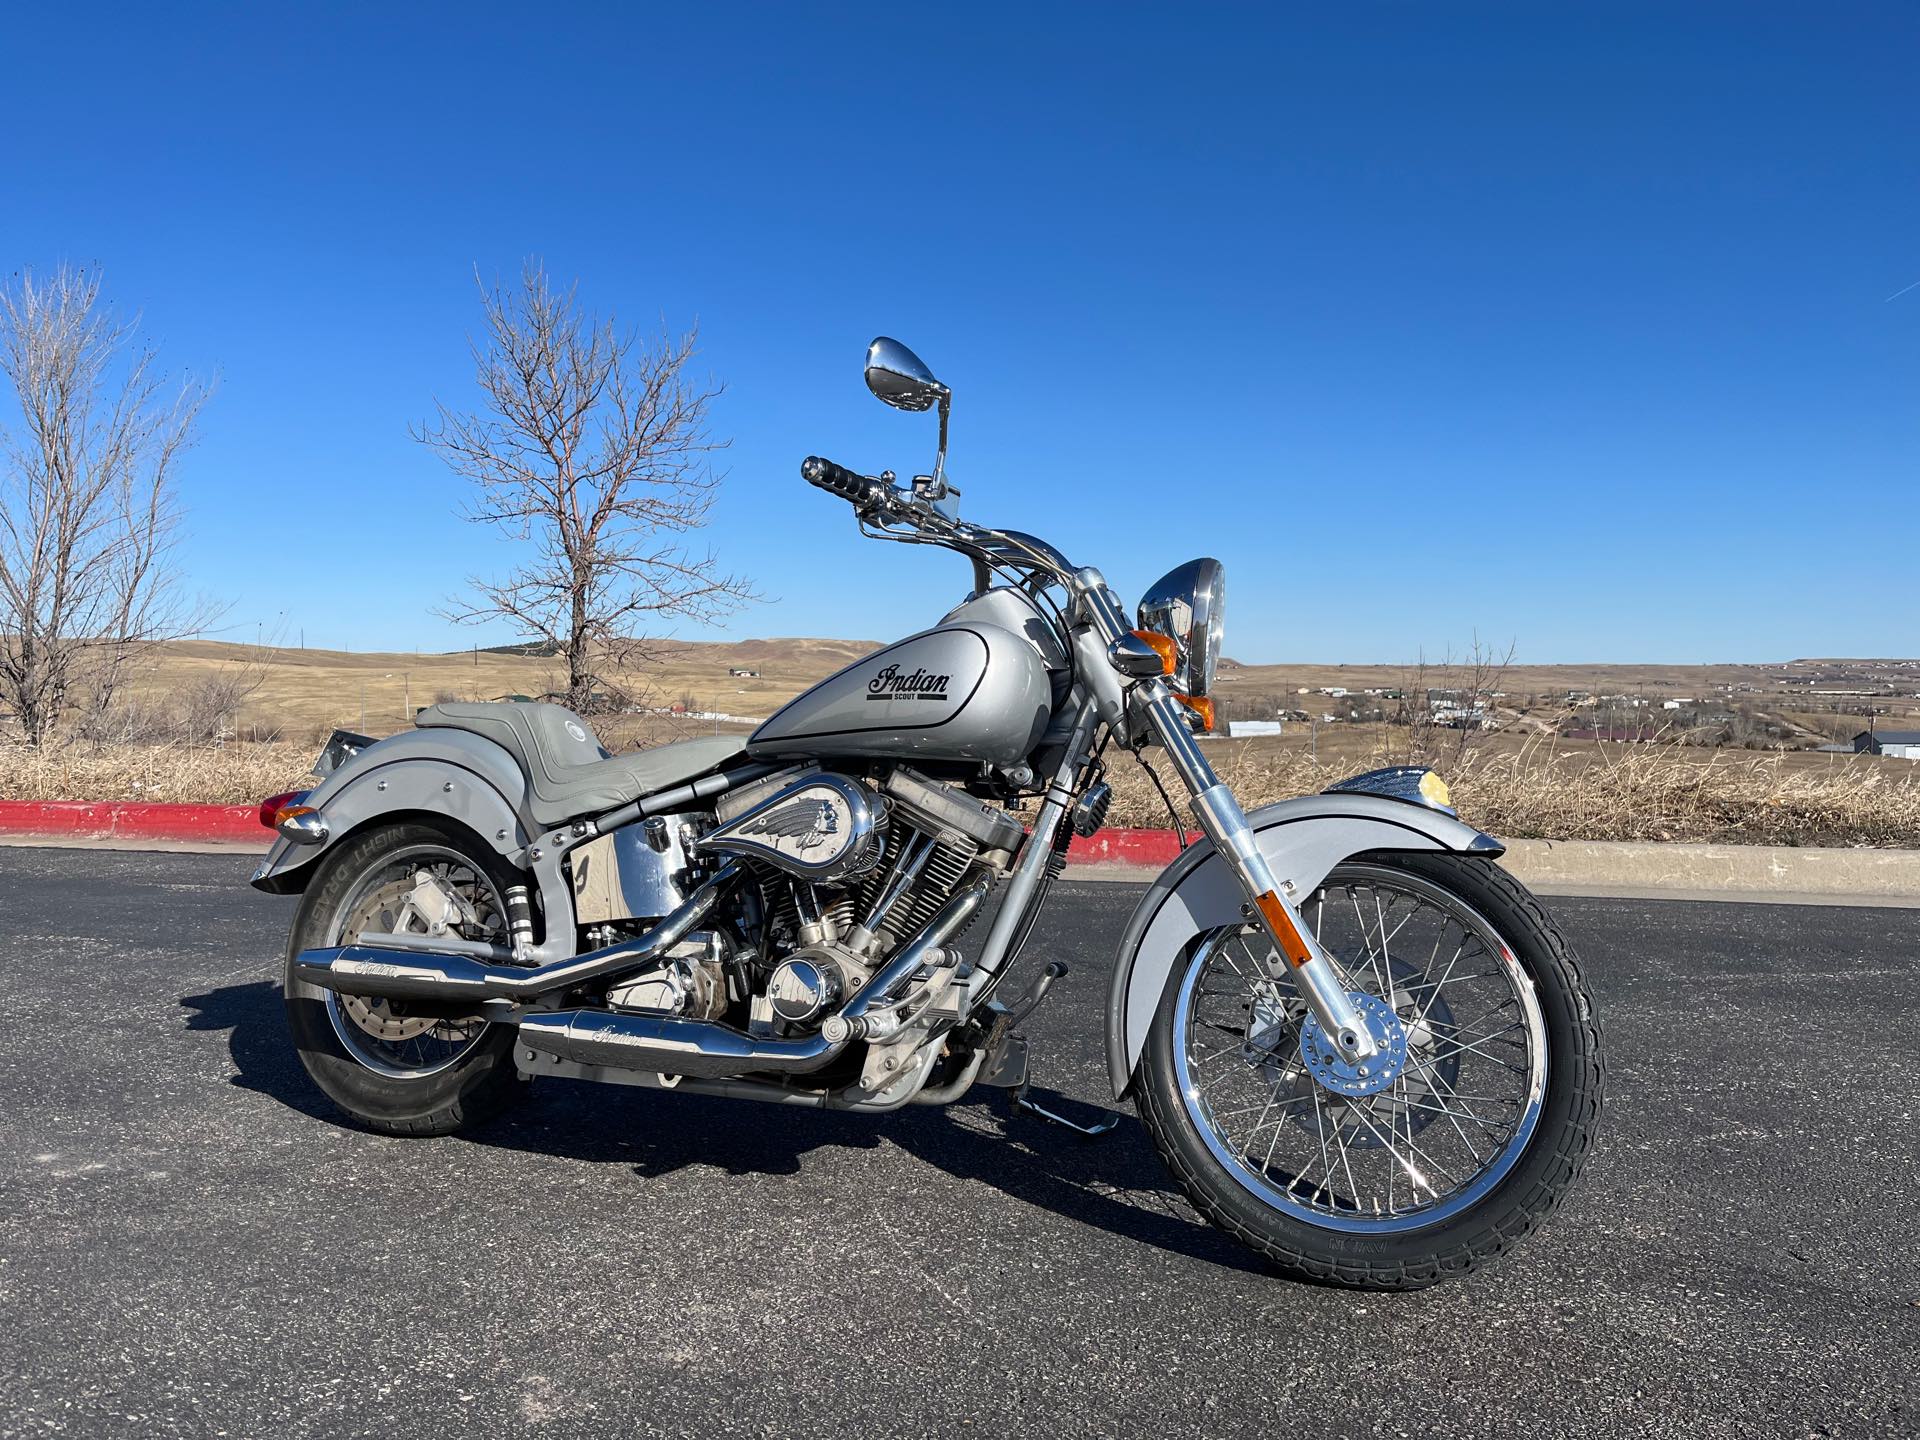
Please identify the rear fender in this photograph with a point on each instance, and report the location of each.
(1302, 839)
(449, 777)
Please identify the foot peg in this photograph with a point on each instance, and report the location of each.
(1007, 1064)
(1092, 1121)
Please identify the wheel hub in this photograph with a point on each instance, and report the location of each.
(1362, 1078)
(376, 1017)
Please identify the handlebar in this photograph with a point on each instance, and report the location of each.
(837, 479)
(879, 501)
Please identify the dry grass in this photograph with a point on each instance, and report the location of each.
(1612, 792)
(303, 694)
(232, 774)
(1621, 792)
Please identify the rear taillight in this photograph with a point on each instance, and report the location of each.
(273, 809)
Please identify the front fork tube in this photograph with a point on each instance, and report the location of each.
(1225, 824)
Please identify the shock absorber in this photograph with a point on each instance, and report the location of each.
(520, 920)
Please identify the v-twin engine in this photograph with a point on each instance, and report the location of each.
(926, 839)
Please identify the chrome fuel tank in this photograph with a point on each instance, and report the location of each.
(964, 690)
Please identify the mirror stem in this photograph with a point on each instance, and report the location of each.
(940, 459)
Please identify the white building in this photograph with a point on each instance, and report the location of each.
(1901, 744)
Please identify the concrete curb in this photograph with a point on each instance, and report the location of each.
(1627, 869)
(1781, 874)
(1747, 872)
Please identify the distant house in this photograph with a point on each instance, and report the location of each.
(1901, 744)
(1237, 728)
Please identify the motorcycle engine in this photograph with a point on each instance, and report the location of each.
(692, 981)
(820, 943)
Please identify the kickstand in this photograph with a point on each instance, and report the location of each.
(1091, 1129)
(1007, 1064)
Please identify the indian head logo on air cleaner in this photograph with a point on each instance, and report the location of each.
(890, 684)
(807, 823)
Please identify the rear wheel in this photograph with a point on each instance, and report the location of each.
(403, 1072)
(1454, 1141)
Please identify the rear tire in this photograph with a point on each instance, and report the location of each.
(1305, 1227)
(367, 1077)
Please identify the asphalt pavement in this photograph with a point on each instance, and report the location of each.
(191, 1242)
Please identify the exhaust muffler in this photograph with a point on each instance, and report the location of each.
(669, 1044)
(674, 1045)
(383, 972)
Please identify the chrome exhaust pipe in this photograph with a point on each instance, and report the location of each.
(386, 973)
(671, 1045)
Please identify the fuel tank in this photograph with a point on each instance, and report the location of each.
(964, 690)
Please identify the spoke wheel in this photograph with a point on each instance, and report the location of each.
(1446, 1106)
(406, 893)
(386, 1064)
(1463, 1131)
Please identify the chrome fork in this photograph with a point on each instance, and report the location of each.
(1225, 824)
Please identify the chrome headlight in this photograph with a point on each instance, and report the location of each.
(1188, 605)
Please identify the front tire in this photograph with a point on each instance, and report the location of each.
(1471, 1135)
(389, 1070)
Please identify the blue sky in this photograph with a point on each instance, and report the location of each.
(1568, 324)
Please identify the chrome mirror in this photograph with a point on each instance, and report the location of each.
(900, 378)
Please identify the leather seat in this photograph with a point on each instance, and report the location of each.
(569, 772)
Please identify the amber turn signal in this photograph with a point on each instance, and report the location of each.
(1201, 705)
(1163, 646)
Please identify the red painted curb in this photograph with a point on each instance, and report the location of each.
(1154, 849)
(130, 820)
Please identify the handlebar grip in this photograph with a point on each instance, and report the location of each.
(835, 478)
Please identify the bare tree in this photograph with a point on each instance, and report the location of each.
(88, 509)
(1479, 676)
(593, 446)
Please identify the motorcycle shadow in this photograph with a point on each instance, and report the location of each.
(1115, 1183)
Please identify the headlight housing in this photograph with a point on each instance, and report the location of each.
(1188, 605)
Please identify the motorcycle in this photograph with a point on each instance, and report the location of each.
(1360, 1046)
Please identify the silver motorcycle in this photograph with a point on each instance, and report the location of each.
(1361, 1047)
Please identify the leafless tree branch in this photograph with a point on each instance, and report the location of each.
(592, 448)
(88, 507)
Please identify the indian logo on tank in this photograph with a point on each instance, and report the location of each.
(891, 684)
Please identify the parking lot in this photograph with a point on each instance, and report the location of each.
(191, 1242)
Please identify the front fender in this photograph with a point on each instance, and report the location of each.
(1302, 839)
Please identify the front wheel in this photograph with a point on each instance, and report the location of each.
(1448, 1146)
